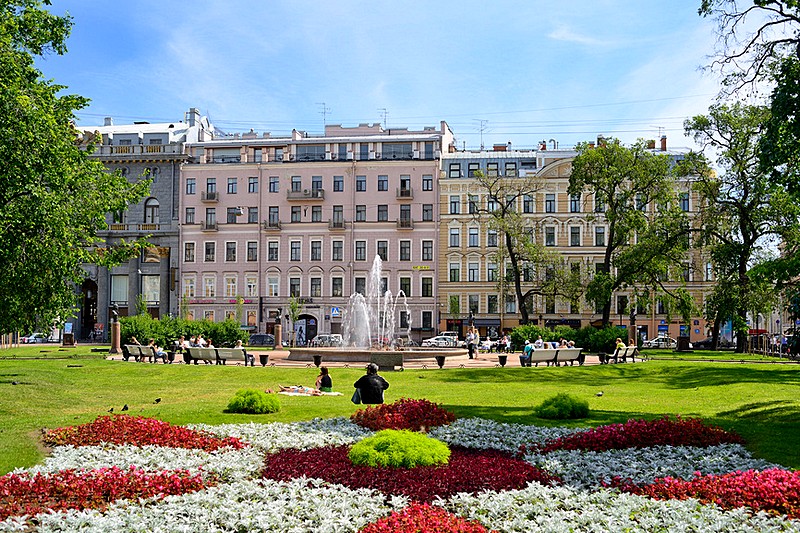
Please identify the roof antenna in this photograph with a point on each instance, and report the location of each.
(385, 113)
(324, 112)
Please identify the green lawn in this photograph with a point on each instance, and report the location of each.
(66, 387)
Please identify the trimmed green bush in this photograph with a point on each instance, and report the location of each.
(399, 448)
(562, 406)
(254, 402)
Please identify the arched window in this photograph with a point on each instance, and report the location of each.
(151, 211)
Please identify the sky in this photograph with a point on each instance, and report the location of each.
(496, 72)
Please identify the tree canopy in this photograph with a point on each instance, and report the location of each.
(53, 197)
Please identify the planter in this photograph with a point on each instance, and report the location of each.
(439, 360)
(317, 360)
(263, 358)
(502, 359)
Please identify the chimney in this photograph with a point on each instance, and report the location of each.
(663, 143)
(108, 121)
(193, 116)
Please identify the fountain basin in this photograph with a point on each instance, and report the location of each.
(365, 355)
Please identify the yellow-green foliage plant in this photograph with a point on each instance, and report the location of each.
(399, 449)
(253, 401)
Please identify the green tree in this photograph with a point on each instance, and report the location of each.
(646, 232)
(742, 210)
(293, 310)
(53, 198)
(533, 269)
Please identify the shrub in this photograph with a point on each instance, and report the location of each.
(424, 518)
(167, 329)
(562, 406)
(254, 402)
(603, 340)
(399, 448)
(405, 413)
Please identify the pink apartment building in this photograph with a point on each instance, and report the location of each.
(263, 218)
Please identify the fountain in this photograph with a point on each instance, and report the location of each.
(369, 329)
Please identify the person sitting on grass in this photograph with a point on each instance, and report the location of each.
(324, 382)
(371, 385)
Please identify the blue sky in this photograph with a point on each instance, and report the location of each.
(520, 71)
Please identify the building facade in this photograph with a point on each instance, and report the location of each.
(140, 151)
(264, 218)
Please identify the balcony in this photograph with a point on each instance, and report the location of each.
(209, 226)
(137, 149)
(224, 159)
(138, 227)
(271, 225)
(405, 193)
(306, 194)
(337, 224)
(209, 196)
(405, 223)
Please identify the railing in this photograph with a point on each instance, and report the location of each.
(209, 196)
(405, 192)
(138, 227)
(225, 159)
(405, 223)
(137, 149)
(271, 224)
(306, 194)
(209, 226)
(337, 224)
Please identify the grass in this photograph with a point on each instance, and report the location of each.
(57, 388)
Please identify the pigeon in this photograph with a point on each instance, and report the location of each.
(157, 400)
(15, 382)
(599, 393)
(111, 410)
(125, 407)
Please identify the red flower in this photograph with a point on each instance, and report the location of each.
(405, 413)
(423, 518)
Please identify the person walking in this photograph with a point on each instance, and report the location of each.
(371, 385)
(471, 340)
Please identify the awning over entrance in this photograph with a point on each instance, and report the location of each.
(486, 322)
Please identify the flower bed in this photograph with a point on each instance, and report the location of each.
(424, 518)
(124, 429)
(405, 413)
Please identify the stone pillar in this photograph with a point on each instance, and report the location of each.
(278, 335)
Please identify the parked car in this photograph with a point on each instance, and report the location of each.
(261, 339)
(707, 343)
(34, 338)
(324, 339)
(660, 342)
(440, 341)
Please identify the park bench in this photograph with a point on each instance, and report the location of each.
(387, 360)
(569, 355)
(623, 353)
(544, 355)
(193, 354)
(135, 351)
(230, 354)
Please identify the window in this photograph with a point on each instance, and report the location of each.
(343, 151)
(188, 217)
(427, 320)
(252, 185)
(297, 183)
(230, 251)
(316, 250)
(361, 183)
(427, 212)
(427, 250)
(491, 272)
(455, 205)
(383, 250)
(361, 250)
(599, 204)
(316, 213)
(316, 287)
(491, 204)
(709, 272)
(491, 238)
(405, 250)
(575, 203)
(294, 287)
(252, 215)
(231, 214)
(211, 185)
(473, 237)
(272, 251)
(492, 169)
(210, 252)
(383, 213)
(455, 237)
(405, 182)
(427, 182)
(252, 250)
(338, 184)
(311, 152)
(427, 287)
(188, 252)
(405, 215)
(316, 183)
(641, 205)
(208, 315)
(273, 285)
(383, 183)
(574, 236)
(491, 304)
(455, 272)
(296, 213)
(230, 286)
(209, 286)
(511, 170)
(363, 151)
(191, 186)
(405, 285)
(455, 170)
(687, 272)
(361, 213)
(550, 236)
(188, 289)
(295, 249)
(550, 203)
(274, 216)
(472, 302)
(361, 285)
(511, 304)
(151, 211)
(473, 272)
(337, 251)
(251, 285)
(211, 217)
(404, 319)
(232, 183)
(338, 216)
(683, 198)
(472, 203)
(527, 203)
(599, 236)
(273, 184)
(472, 168)
(337, 286)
